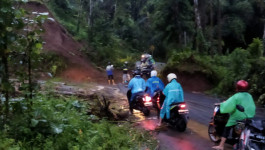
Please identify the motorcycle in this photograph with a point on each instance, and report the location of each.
(157, 101)
(178, 116)
(253, 135)
(139, 103)
(242, 136)
(217, 125)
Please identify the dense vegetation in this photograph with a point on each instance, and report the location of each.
(222, 39)
(225, 37)
(63, 123)
(34, 119)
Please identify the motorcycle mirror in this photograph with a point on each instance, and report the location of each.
(240, 108)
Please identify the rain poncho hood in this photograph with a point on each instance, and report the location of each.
(229, 106)
(137, 84)
(154, 84)
(174, 93)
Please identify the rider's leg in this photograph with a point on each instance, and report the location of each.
(226, 133)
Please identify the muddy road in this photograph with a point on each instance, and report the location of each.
(200, 112)
(196, 136)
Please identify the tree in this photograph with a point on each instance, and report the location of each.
(170, 19)
(10, 22)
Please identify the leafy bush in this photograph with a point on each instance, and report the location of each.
(62, 123)
(256, 48)
(225, 70)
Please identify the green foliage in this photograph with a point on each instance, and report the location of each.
(53, 63)
(62, 123)
(225, 71)
(10, 22)
(8, 144)
(256, 48)
(170, 20)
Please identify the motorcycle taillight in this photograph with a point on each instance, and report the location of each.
(147, 99)
(182, 106)
(158, 100)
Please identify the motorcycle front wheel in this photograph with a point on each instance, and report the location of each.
(212, 134)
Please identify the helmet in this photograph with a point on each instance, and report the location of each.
(153, 73)
(144, 57)
(137, 72)
(126, 62)
(242, 86)
(171, 76)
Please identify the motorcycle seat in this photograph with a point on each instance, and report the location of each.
(177, 103)
(138, 97)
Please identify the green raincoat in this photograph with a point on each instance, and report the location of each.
(229, 106)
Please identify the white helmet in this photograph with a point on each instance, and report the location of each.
(171, 76)
(153, 73)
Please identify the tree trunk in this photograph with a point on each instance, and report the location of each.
(219, 27)
(29, 75)
(6, 81)
(197, 15)
(79, 16)
(185, 38)
(90, 13)
(211, 28)
(264, 40)
(199, 33)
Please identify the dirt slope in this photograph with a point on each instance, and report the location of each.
(58, 40)
(80, 69)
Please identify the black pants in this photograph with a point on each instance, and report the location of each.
(228, 131)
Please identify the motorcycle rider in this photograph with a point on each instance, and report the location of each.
(173, 93)
(137, 87)
(242, 97)
(147, 62)
(154, 84)
(126, 76)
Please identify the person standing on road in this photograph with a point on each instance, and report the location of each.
(109, 70)
(243, 98)
(173, 93)
(154, 84)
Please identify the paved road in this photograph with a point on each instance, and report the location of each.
(196, 136)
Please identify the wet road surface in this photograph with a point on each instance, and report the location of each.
(196, 136)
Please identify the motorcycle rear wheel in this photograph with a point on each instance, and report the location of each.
(146, 111)
(181, 124)
(213, 135)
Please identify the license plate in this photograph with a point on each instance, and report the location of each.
(185, 111)
(148, 104)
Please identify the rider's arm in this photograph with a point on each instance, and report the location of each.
(165, 93)
(229, 105)
(161, 85)
(130, 85)
(181, 93)
(147, 89)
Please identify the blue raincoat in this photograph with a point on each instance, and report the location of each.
(174, 93)
(154, 84)
(137, 85)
